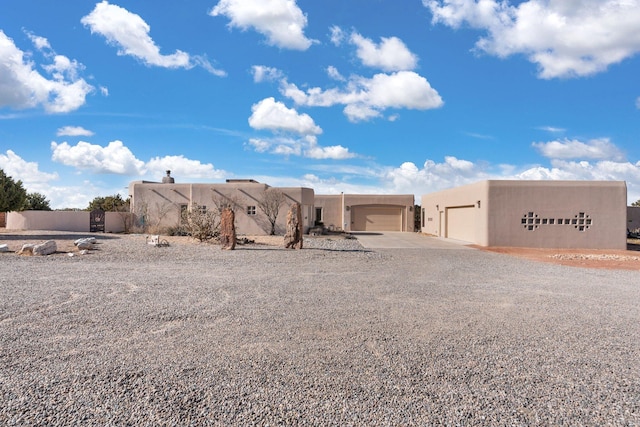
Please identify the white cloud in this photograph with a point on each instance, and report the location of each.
(564, 38)
(21, 86)
(73, 131)
(275, 116)
(130, 33)
(638, 103)
(263, 73)
(27, 172)
(115, 158)
(552, 129)
(281, 21)
(368, 98)
(337, 152)
(334, 74)
(337, 35)
(597, 149)
(390, 55)
(181, 168)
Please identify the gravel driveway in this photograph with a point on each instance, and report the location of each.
(334, 334)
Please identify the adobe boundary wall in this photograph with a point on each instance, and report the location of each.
(62, 221)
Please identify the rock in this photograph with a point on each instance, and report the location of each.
(228, 229)
(91, 240)
(45, 248)
(27, 249)
(293, 235)
(4, 248)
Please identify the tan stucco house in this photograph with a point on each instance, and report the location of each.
(540, 214)
(160, 206)
(365, 212)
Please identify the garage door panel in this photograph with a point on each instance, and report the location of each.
(376, 218)
(461, 223)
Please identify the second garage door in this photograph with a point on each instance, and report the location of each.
(376, 218)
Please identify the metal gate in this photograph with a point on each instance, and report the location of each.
(96, 221)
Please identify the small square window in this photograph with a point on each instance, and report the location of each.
(251, 210)
(545, 220)
(552, 221)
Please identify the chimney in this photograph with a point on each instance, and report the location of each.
(168, 179)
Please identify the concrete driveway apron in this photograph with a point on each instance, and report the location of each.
(405, 240)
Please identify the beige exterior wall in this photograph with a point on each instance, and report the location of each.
(62, 221)
(633, 218)
(159, 205)
(545, 214)
(338, 211)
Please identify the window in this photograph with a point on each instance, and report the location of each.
(251, 210)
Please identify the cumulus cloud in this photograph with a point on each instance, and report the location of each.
(390, 55)
(275, 116)
(282, 22)
(597, 149)
(337, 152)
(365, 99)
(115, 158)
(263, 73)
(73, 131)
(564, 38)
(27, 172)
(182, 167)
(22, 86)
(130, 33)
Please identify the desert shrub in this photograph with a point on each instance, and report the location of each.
(200, 223)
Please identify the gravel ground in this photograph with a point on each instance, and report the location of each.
(334, 334)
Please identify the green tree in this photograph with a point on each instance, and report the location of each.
(113, 203)
(37, 202)
(636, 204)
(12, 194)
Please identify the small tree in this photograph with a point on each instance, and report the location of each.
(37, 202)
(270, 203)
(12, 195)
(636, 204)
(200, 223)
(113, 203)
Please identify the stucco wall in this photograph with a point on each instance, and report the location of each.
(545, 214)
(158, 206)
(338, 208)
(62, 221)
(633, 218)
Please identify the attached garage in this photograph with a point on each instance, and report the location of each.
(376, 218)
(461, 223)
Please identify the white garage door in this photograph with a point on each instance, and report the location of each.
(461, 223)
(376, 218)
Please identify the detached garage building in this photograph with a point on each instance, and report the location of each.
(539, 214)
(365, 212)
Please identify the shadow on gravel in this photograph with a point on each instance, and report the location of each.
(49, 236)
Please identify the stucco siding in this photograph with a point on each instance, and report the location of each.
(545, 214)
(62, 221)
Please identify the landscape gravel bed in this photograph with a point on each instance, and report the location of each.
(333, 334)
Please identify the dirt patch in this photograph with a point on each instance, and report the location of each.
(583, 258)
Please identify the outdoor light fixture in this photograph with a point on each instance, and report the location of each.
(478, 204)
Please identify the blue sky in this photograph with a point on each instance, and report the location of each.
(358, 96)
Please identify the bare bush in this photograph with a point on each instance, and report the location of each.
(200, 223)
